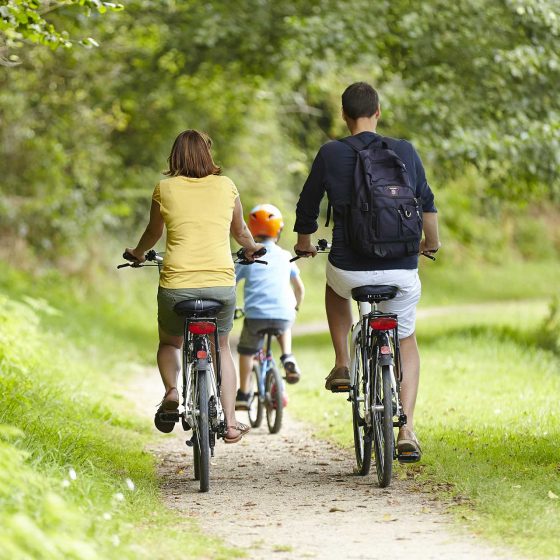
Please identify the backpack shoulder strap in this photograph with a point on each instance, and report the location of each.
(358, 145)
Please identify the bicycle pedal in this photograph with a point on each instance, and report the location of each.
(408, 457)
(340, 389)
(190, 442)
(172, 416)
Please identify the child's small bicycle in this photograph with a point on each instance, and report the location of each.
(267, 391)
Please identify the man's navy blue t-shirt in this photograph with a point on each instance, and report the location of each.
(333, 172)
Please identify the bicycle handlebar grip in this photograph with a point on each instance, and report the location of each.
(129, 257)
(123, 265)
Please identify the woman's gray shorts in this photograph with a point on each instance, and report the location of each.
(174, 325)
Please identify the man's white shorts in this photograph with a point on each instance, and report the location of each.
(404, 303)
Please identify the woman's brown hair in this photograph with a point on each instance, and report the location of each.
(191, 157)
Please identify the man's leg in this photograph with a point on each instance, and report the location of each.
(339, 316)
(410, 359)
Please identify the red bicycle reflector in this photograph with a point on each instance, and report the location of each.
(202, 327)
(385, 350)
(383, 323)
(202, 354)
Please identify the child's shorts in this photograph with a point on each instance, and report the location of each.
(251, 340)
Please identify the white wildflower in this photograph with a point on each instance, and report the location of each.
(130, 484)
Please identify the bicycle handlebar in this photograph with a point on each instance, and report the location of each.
(134, 263)
(322, 246)
(242, 259)
(158, 259)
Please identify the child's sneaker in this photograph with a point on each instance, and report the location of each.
(291, 368)
(242, 400)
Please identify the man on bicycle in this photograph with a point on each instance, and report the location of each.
(333, 172)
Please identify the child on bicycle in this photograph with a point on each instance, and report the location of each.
(272, 295)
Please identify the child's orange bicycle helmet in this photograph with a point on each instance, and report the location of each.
(265, 220)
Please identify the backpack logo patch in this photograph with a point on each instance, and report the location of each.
(394, 191)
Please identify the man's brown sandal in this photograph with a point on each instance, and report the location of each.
(408, 447)
(338, 380)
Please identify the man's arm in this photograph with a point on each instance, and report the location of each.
(307, 210)
(430, 243)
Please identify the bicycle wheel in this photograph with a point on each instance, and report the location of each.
(383, 435)
(362, 431)
(255, 403)
(274, 390)
(202, 432)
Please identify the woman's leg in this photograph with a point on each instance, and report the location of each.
(229, 384)
(169, 361)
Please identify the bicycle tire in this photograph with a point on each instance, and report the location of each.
(202, 437)
(196, 457)
(256, 407)
(274, 390)
(383, 435)
(363, 437)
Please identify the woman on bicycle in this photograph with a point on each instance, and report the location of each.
(199, 208)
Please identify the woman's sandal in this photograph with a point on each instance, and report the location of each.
(166, 405)
(241, 428)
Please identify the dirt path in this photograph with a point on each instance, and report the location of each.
(293, 496)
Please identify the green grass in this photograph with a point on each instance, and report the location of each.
(75, 481)
(487, 417)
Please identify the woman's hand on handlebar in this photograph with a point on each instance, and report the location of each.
(252, 253)
(139, 257)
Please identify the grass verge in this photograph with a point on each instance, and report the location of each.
(487, 416)
(74, 480)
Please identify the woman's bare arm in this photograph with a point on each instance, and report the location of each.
(240, 232)
(152, 233)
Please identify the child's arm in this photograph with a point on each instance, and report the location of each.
(299, 289)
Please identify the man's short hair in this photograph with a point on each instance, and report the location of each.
(359, 100)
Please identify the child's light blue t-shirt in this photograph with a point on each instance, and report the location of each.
(268, 292)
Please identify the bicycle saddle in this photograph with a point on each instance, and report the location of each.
(197, 308)
(373, 294)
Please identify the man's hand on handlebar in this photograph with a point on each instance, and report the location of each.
(305, 249)
(429, 249)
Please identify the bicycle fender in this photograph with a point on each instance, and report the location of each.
(386, 360)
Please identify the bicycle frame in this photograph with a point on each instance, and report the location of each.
(371, 344)
(197, 360)
(265, 360)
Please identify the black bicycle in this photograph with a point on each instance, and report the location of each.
(375, 381)
(201, 374)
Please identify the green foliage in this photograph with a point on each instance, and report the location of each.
(27, 20)
(85, 132)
